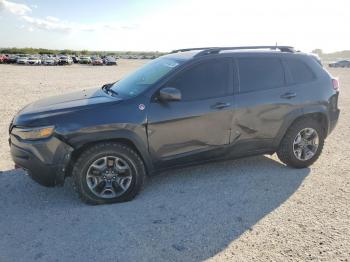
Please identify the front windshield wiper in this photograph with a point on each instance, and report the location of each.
(108, 89)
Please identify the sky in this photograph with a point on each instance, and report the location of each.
(164, 25)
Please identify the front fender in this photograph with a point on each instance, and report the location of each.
(134, 134)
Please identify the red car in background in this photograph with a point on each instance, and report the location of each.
(3, 59)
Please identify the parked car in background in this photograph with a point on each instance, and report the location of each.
(12, 59)
(3, 58)
(180, 109)
(84, 60)
(75, 59)
(65, 60)
(97, 61)
(341, 63)
(49, 61)
(109, 60)
(22, 60)
(33, 61)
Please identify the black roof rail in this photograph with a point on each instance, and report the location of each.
(216, 50)
(191, 49)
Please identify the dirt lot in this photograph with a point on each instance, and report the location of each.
(252, 209)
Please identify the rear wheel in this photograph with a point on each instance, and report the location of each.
(302, 143)
(108, 173)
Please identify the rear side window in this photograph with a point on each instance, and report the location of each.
(209, 79)
(257, 74)
(299, 71)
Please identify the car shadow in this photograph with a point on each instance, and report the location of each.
(189, 214)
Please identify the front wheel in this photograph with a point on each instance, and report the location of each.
(302, 143)
(108, 173)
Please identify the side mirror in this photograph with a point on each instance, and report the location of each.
(169, 94)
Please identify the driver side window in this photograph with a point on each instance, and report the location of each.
(208, 79)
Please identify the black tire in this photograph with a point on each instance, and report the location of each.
(285, 151)
(122, 151)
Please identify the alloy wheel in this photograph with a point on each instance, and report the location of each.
(109, 177)
(305, 144)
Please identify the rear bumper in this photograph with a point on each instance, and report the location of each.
(333, 120)
(333, 112)
(46, 161)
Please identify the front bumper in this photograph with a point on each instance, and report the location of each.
(45, 160)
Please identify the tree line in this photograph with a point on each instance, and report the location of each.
(345, 54)
(41, 51)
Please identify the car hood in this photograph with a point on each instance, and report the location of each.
(63, 104)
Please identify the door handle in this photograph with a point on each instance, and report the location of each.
(288, 95)
(221, 105)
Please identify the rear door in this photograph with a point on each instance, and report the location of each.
(262, 102)
(201, 120)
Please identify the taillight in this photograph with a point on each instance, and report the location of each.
(335, 83)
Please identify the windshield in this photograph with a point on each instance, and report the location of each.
(141, 79)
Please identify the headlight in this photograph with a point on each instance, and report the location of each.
(33, 133)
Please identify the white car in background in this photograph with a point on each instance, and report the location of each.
(85, 60)
(48, 60)
(33, 60)
(22, 60)
(65, 60)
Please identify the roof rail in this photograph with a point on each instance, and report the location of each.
(191, 49)
(216, 50)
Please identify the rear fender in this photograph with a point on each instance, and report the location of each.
(299, 113)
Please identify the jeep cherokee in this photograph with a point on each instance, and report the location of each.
(187, 107)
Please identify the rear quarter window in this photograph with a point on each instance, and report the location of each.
(299, 71)
(256, 74)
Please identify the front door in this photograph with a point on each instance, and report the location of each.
(200, 121)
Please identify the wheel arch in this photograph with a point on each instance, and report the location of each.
(128, 139)
(319, 114)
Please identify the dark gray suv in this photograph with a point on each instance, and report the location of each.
(187, 107)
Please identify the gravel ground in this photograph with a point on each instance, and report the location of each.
(252, 209)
